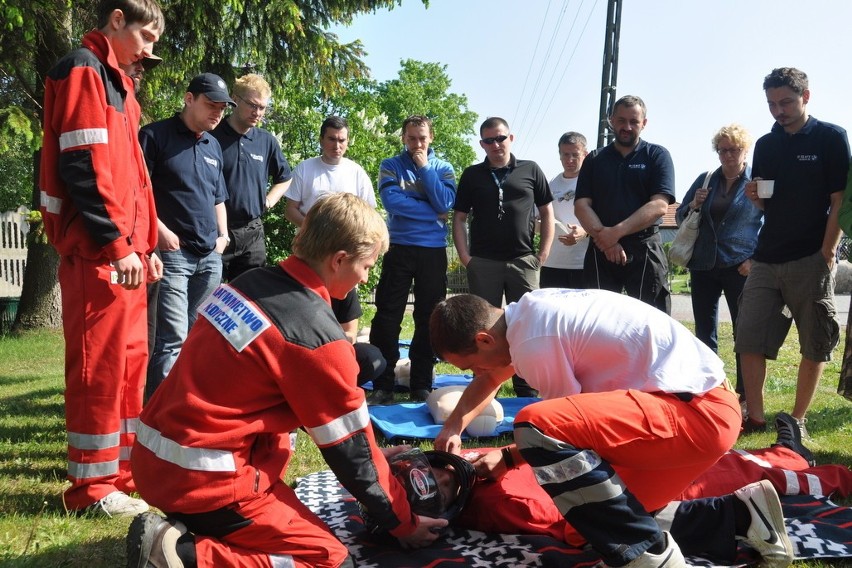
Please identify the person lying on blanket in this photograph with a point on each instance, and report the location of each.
(265, 357)
(437, 483)
(700, 517)
(444, 485)
(699, 521)
(635, 409)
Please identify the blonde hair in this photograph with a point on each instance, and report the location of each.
(341, 221)
(252, 82)
(736, 133)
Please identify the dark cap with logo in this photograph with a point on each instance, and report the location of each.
(212, 86)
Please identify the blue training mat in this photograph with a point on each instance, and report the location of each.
(412, 421)
(441, 380)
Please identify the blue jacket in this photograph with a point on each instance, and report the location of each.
(730, 242)
(417, 199)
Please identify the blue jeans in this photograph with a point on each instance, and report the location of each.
(707, 287)
(187, 280)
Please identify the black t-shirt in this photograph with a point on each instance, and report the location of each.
(507, 235)
(347, 309)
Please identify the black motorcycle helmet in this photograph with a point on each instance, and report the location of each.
(415, 470)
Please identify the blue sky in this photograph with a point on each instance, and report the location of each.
(697, 65)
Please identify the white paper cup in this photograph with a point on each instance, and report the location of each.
(765, 188)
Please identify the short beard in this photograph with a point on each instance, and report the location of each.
(632, 142)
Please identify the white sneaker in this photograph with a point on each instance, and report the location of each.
(152, 542)
(804, 431)
(766, 533)
(119, 504)
(671, 557)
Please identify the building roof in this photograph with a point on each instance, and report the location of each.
(669, 221)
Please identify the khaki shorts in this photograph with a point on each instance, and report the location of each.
(775, 295)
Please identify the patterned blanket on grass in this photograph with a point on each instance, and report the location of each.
(817, 527)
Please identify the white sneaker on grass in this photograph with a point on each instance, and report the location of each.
(766, 532)
(119, 504)
(803, 429)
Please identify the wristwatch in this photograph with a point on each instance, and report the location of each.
(226, 237)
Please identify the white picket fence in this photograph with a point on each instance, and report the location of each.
(13, 252)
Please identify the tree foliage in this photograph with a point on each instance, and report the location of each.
(313, 75)
(35, 34)
(280, 38)
(375, 112)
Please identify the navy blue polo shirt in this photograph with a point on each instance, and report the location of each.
(508, 235)
(619, 185)
(807, 167)
(250, 161)
(186, 175)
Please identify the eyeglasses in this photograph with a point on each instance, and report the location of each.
(731, 151)
(492, 139)
(256, 108)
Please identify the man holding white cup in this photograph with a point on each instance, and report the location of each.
(765, 188)
(802, 166)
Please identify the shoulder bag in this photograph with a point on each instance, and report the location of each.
(684, 241)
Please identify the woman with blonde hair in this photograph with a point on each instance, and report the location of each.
(726, 239)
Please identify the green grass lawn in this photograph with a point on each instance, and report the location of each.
(35, 531)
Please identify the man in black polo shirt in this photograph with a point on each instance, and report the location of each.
(252, 156)
(185, 164)
(501, 196)
(623, 191)
(792, 267)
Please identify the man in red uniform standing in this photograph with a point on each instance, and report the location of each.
(267, 356)
(99, 214)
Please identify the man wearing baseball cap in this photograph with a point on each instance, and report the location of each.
(185, 164)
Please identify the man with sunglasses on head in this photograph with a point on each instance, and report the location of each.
(501, 196)
(417, 190)
(138, 68)
(251, 157)
(623, 191)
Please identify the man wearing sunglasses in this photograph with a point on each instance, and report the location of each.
(251, 157)
(501, 195)
(623, 191)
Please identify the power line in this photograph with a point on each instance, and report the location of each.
(529, 67)
(542, 113)
(522, 121)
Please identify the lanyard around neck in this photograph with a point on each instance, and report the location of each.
(499, 183)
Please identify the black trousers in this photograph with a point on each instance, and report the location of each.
(403, 265)
(644, 277)
(246, 250)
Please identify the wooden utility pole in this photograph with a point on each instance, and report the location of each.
(609, 75)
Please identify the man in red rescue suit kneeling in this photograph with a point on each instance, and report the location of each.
(265, 357)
